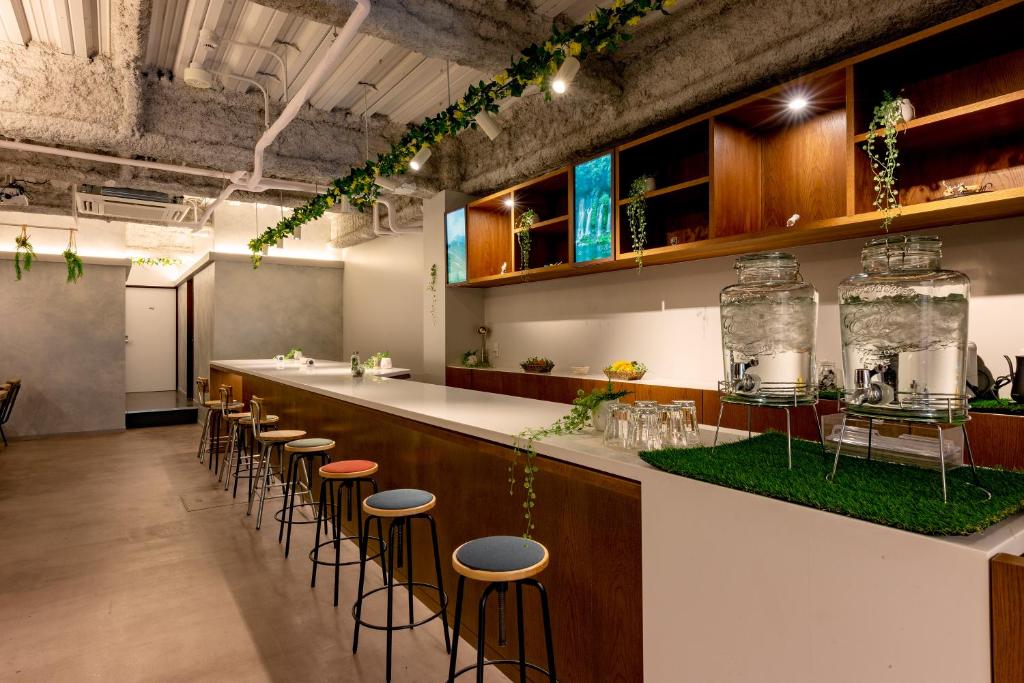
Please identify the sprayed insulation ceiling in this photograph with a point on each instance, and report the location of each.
(73, 27)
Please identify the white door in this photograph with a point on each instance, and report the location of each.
(150, 339)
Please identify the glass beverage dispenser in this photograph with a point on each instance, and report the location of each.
(769, 322)
(904, 332)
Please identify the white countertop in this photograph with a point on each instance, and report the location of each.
(494, 417)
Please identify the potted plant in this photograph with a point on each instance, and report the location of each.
(886, 117)
(636, 214)
(294, 353)
(470, 359)
(629, 370)
(600, 402)
(538, 364)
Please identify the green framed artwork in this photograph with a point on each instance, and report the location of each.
(455, 240)
(592, 193)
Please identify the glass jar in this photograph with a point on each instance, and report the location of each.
(904, 332)
(769, 323)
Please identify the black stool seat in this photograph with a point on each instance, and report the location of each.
(501, 556)
(399, 502)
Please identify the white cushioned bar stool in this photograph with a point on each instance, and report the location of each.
(341, 482)
(400, 507)
(298, 455)
(499, 561)
(267, 443)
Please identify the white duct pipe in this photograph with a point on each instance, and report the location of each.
(327, 65)
(392, 228)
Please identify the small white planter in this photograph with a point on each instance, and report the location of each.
(386, 364)
(907, 111)
(601, 414)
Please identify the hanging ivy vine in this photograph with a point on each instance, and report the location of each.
(886, 116)
(636, 213)
(72, 259)
(526, 222)
(603, 31)
(24, 253)
(159, 261)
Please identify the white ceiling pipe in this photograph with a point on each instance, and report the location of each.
(326, 67)
(266, 95)
(392, 228)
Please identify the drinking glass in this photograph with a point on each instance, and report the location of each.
(616, 430)
(644, 428)
(689, 419)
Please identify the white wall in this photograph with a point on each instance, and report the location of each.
(667, 316)
(385, 280)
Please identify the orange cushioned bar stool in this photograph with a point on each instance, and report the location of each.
(211, 422)
(341, 483)
(500, 560)
(401, 507)
(267, 443)
(241, 461)
(298, 455)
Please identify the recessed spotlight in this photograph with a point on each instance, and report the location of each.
(797, 104)
(510, 202)
(566, 72)
(420, 158)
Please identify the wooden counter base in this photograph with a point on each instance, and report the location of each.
(589, 521)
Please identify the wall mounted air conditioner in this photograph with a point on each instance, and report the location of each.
(138, 205)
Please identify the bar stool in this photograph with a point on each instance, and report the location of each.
(231, 417)
(401, 506)
(297, 453)
(243, 452)
(211, 423)
(336, 480)
(268, 442)
(500, 560)
(10, 389)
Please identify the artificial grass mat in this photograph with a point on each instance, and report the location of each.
(899, 496)
(1003, 405)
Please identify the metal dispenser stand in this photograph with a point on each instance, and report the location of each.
(777, 395)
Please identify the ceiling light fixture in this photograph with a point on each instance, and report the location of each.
(798, 103)
(566, 72)
(509, 202)
(488, 124)
(420, 159)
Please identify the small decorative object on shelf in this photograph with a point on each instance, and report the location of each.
(628, 370)
(377, 360)
(636, 214)
(308, 363)
(24, 253)
(356, 365)
(907, 111)
(886, 116)
(579, 369)
(537, 364)
(649, 184)
(826, 376)
(279, 361)
(792, 220)
(950, 191)
(294, 353)
(470, 359)
(483, 331)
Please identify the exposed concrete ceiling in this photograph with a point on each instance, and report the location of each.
(110, 82)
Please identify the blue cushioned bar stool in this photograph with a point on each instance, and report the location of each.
(341, 483)
(500, 560)
(298, 455)
(401, 507)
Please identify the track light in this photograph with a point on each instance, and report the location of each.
(488, 124)
(420, 159)
(566, 72)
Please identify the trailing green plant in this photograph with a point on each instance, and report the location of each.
(603, 31)
(432, 288)
(155, 261)
(71, 258)
(374, 360)
(885, 117)
(292, 353)
(526, 221)
(636, 214)
(579, 417)
(24, 253)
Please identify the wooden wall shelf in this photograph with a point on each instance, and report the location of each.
(727, 181)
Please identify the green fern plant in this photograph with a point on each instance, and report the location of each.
(74, 264)
(24, 253)
(636, 214)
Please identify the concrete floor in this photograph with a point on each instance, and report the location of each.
(120, 560)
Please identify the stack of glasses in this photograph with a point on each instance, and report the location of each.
(648, 425)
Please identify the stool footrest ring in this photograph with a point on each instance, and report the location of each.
(492, 662)
(398, 627)
(330, 542)
(298, 506)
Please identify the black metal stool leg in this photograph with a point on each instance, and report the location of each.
(453, 658)
(548, 640)
(441, 598)
(286, 487)
(336, 517)
(316, 543)
(521, 627)
(408, 568)
(380, 535)
(391, 596)
(481, 633)
(359, 590)
(291, 505)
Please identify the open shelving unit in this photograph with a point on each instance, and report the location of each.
(726, 182)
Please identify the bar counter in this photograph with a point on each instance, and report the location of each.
(657, 577)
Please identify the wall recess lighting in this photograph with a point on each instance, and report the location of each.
(797, 104)
(566, 72)
(488, 124)
(509, 202)
(420, 159)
